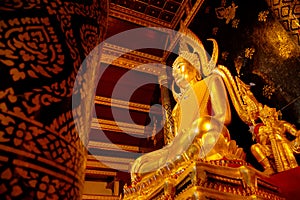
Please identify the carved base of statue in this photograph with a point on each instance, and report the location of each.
(219, 179)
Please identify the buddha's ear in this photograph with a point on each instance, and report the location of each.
(198, 77)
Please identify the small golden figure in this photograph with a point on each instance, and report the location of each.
(272, 143)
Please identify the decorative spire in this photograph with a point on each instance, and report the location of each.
(192, 50)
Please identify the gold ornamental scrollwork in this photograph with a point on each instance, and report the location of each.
(39, 56)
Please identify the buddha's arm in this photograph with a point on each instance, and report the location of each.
(219, 99)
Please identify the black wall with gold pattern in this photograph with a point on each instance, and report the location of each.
(256, 44)
(42, 46)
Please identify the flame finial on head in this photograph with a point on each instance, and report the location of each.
(192, 50)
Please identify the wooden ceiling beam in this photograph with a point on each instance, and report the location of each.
(135, 17)
(180, 14)
(192, 13)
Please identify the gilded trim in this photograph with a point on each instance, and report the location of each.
(121, 104)
(121, 127)
(118, 51)
(116, 55)
(193, 12)
(91, 197)
(113, 147)
(99, 172)
(109, 159)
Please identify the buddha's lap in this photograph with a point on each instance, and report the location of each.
(206, 128)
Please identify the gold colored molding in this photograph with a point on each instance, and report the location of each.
(100, 172)
(118, 56)
(200, 179)
(121, 104)
(193, 12)
(112, 52)
(117, 147)
(179, 14)
(102, 197)
(120, 127)
(109, 159)
(113, 147)
(148, 21)
(118, 51)
(126, 105)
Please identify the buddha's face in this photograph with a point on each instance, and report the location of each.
(184, 73)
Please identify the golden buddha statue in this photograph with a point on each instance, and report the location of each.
(200, 115)
(202, 161)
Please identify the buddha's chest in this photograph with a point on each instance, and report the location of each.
(190, 107)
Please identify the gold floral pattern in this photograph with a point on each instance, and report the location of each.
(41, 42)
(249, 52)
(88, 36)
(269, 88)
(30, 47)
(268, 91)
(263, 15)
(235, 23)
(287, 12)
(227, 13)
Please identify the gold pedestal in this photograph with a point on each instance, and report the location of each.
(220, 179)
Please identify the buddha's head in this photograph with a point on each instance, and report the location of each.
(192, 63)
(185, 73)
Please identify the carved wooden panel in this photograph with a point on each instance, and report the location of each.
(42, 46)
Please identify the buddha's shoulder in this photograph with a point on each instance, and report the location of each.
(214, 77)
(211, 79)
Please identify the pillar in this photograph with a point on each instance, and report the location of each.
(167, 107)
(42, 46)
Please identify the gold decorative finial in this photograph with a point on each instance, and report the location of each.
(192, 50)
